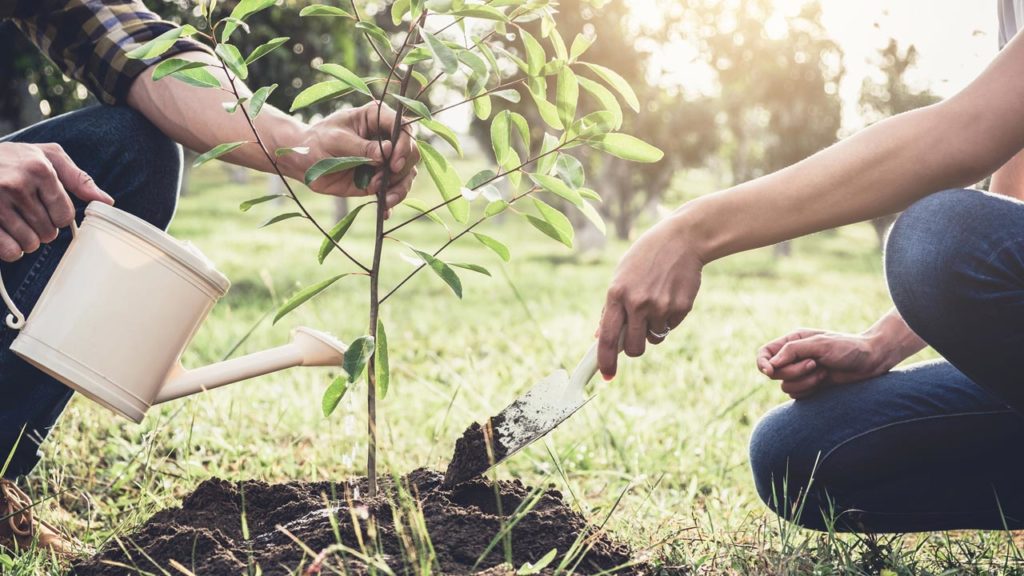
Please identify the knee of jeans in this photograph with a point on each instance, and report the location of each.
(155, 163)
(780, 473)
(927, 257)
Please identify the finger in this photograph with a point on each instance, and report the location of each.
(795, 370)
(398, 192)
(813, 347)
(612, 321)
(656, 326)
(75, 180)
(804, 384)
(636, 333)
(56, 210)
(19, 230)
(9, 248)
(406, 154)
(772, 348)
(34, 214)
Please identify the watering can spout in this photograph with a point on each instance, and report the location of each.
(308, 347)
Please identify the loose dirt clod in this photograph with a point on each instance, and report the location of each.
(478, 449)
(205, 535)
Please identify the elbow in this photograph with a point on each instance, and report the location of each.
(972, 142)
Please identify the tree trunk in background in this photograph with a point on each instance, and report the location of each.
(340, 208)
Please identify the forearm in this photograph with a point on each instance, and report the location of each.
(1009, 179)
(880, 170)
(195, 117)
(893, 340)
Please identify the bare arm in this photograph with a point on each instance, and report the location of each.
(878, 171)
(1009, 179)
(196, 118)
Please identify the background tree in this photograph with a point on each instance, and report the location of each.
(880, 99)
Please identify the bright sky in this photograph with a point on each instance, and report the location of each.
(956, 40)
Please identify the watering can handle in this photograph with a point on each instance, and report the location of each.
(15, 319)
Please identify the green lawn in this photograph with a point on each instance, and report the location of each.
(671, 431)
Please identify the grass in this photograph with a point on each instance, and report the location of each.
(665, 442)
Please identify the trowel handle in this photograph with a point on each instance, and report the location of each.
(587, 367)
(15, 319)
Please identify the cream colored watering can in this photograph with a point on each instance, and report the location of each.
(122, 306)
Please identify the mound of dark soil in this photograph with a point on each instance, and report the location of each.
(290, 530)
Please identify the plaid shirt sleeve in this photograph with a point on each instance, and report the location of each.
(88, 40)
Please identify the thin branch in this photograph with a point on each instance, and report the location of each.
(277, 170)
(440, 74)
(478, 186)
(467, 100)
(366, 35)
(451, 241)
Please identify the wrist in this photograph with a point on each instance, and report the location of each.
(690, 230)
(283, 131)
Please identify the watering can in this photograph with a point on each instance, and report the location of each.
(122, 306)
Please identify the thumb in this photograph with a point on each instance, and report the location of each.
(377, 150)
(75, 180)
(796, 350)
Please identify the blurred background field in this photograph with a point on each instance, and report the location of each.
(730, 90)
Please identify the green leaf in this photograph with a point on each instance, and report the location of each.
(280, 217)
(172, 65)
(548, 112)
(161, 43)
(422, 207)
(291, 150)
(320, 92)
(535, 57)
(567, 94)
(547, 159)
(617, 82)
(303, 295)
(216, 152)
(472, 267)
(332, 165)
(375, 32)
(480, 74)
(442, 270)
(232, 107)
(579, 46)
(594, 216)
(482, 106)
(346, 76)
(382, 370)
(259, 98)
(243, 10)
(230, 25)
(446, 133)
(523, 127)
(333, 395)
(604, 97)
(444, 55)
(338, 232)
(416, 106)
(359, 351)
(531, 568)
(364, 174)
(200, 77)
(399, 9)
(626, 147)
(266, 48)
(322, 10)
(483, 12)
(446, 180)
(501, 142)
(570, 170)
(245, 206)
(495, 245)
(509, 94)
(495, 208)
(233, 58)
(598, 123)
(552, 222)
(557, 187)
(590, 194)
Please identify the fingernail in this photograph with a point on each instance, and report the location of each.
(108, 196)
(607, 377)
(400, 164)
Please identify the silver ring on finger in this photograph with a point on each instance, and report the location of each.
(659, 335)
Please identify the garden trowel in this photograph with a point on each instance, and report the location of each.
(543, 407)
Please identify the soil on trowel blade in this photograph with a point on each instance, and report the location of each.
(477, 450)
(205, 535)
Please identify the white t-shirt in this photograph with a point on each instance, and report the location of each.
(1011, 19)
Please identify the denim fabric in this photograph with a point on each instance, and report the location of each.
(935, 446)
(134, 162)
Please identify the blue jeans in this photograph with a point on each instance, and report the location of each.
(141, 168)
(938, 445)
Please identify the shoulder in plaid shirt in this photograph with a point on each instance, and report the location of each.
(88, 39)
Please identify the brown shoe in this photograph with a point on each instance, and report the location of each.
(20, 530)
